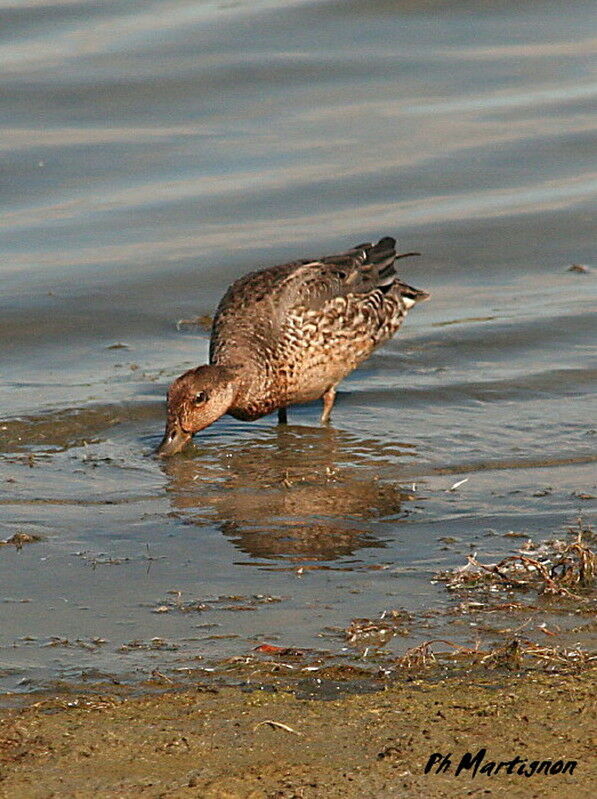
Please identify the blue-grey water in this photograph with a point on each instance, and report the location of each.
(152, 152)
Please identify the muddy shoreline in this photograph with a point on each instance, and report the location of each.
(223, 742)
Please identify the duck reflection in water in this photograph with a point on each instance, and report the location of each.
(296, 493)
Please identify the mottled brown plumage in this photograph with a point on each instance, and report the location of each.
(290, 334)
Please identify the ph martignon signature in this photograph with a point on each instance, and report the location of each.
(480, 764)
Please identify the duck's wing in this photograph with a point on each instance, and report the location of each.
(265, 298)
(361, 270)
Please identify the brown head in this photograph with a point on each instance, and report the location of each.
(195, 400)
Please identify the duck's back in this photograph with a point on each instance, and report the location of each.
(303, 326)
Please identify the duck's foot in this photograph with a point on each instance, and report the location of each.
(328, 404)
(282, 416)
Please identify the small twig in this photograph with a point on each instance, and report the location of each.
(276, 724)
(449, 643)
(156, 673)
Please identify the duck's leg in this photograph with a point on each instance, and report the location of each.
(328, 404)
(282, 416)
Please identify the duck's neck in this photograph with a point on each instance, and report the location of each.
(249, 379)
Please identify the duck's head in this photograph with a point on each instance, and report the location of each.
(195, 400)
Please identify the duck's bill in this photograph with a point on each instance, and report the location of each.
(174, 440)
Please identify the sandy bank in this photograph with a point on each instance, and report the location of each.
(221, 743)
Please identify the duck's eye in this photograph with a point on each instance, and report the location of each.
(200, 397)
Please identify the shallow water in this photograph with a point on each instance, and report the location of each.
(153, 152)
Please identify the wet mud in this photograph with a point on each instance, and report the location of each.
(222, 743)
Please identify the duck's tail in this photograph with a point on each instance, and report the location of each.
(381, 257)
(410, 295)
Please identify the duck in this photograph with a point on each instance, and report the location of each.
(290, 334)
